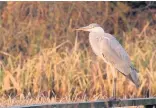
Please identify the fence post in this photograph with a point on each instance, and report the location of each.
(150, 106)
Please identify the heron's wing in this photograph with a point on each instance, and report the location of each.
(119, 50)
(115, 54)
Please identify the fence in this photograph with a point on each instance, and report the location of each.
(147, 102)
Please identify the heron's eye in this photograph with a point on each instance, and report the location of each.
(92, 26)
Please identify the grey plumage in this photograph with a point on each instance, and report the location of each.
(110, 50)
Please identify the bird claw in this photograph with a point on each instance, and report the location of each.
(114, 99)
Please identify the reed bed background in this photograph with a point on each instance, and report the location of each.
(42, 58)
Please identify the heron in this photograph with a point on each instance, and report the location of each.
(110, 50)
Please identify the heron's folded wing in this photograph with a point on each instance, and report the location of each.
(115, 54)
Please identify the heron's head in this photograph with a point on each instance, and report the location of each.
(92, 28)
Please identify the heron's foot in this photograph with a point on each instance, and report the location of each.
(114, 99)
(99, 100)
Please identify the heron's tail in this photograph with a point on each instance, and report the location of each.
(134, 77)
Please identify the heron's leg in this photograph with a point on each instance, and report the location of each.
(114, 89)
(114, 83)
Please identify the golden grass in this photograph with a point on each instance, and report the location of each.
(74, 74)
(39, 64)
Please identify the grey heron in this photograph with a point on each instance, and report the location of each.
(110, 50)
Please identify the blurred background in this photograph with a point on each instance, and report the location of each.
(42, 56)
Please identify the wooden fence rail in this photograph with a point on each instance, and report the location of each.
(147, 102)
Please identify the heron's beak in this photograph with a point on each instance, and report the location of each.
(83, 28)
